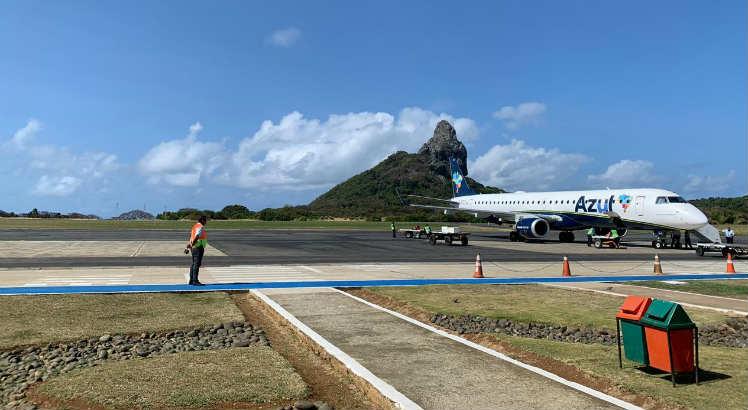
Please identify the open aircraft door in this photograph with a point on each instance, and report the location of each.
(639, 205)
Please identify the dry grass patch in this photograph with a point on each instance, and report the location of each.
(524, 303)
(31, 320)
(255, 374)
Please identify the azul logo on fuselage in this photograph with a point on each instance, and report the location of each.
(594, 204)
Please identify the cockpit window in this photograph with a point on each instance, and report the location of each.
(676, 200)
(661, 200)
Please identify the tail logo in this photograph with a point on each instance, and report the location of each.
(457, 179)
(625, 201)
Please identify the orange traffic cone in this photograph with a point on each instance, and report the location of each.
(730, 266)
(478, 267)
(567, 270)
(657, 266)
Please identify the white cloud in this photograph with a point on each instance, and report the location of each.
(298, 153)
(57, 186)
(62, 171)
(709, 184)
(182, 162)
(627, 173)
(26, 134)
(517, 166)
(285, 37)
(524, 113)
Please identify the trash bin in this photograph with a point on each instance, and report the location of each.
(632, 332)
(672, 339)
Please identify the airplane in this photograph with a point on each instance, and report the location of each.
(535, 214)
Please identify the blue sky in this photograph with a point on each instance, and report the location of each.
(110, 107)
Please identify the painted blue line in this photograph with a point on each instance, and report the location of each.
(54, 290)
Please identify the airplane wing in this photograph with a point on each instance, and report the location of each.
(478, 213)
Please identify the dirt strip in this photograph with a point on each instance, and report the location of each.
(557, 367)
(328, 379)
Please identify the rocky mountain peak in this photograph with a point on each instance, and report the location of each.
(443, 145)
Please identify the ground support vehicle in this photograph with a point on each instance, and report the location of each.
(723, 248)
(449, 235)
(413, 233)
(602, 240)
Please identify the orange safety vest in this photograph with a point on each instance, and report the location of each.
(202, 240)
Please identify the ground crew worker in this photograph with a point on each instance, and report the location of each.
(614, 236)
(392, 226)
(675, 239)
(590, 232)
(687, 240)
(729, 235)
(198, 242)
(427, 228)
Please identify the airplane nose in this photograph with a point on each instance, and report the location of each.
(696, 218)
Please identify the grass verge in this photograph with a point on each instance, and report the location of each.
(255, 374)
(723, 373)
(524, 303)
(726, 288)
(725, 393)
(31, 320)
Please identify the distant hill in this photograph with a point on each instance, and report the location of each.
(373, 193)
(135, 214)
(724, 210)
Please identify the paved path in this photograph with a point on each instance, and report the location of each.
(730, 305)
(431, 370)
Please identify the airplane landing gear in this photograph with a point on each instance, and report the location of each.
(514, 236)
(566, 236)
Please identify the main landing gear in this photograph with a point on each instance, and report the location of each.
(514, 236)
(566, 236)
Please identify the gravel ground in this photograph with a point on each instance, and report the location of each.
(19, 369)
(733, 333)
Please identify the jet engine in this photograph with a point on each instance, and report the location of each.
(533, 228)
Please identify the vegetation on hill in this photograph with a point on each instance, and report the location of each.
(374, 193)
(724, 210)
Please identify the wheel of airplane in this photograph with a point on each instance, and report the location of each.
(513, 236)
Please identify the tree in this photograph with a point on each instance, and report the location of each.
(34, 213)
(235, 212)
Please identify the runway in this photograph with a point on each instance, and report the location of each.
(248, 247)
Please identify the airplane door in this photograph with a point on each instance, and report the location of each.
(639, 205)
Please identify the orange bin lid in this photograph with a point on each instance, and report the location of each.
(634, 307)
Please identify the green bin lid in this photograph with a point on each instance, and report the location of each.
(667, 315)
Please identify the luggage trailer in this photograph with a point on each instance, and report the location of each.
(723, 248)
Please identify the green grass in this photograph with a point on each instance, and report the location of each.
(727, 288)
(600, 360)
(255, 374)
(525, 303)
(28, 320)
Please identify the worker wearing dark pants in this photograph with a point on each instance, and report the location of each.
(687, 240)
(729, 235)
(392, 226)
(590, 232)
(198, 242)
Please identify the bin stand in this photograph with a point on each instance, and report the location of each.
(618, 341)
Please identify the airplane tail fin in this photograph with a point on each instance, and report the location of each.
(459, 184)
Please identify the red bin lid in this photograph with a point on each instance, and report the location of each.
(634, 307)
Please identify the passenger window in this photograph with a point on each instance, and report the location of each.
(661, 200)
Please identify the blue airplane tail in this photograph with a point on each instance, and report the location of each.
(459, 184)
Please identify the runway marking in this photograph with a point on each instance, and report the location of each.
(309, 268)
(576, 386)
(222, 287)
(84, 280)
(248, 273)
(138, 249)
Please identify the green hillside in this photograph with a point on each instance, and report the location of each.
(724, 210)
(373, 193)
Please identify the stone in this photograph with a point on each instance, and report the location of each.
(443, 145)
(304, 405)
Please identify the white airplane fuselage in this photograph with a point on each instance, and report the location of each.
(637, 208)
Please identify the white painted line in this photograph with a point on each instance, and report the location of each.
(309, 268)
(606, 292)
(400, 400)
(35, 284)
(574, 385)
(138, 249)
(688, 293)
